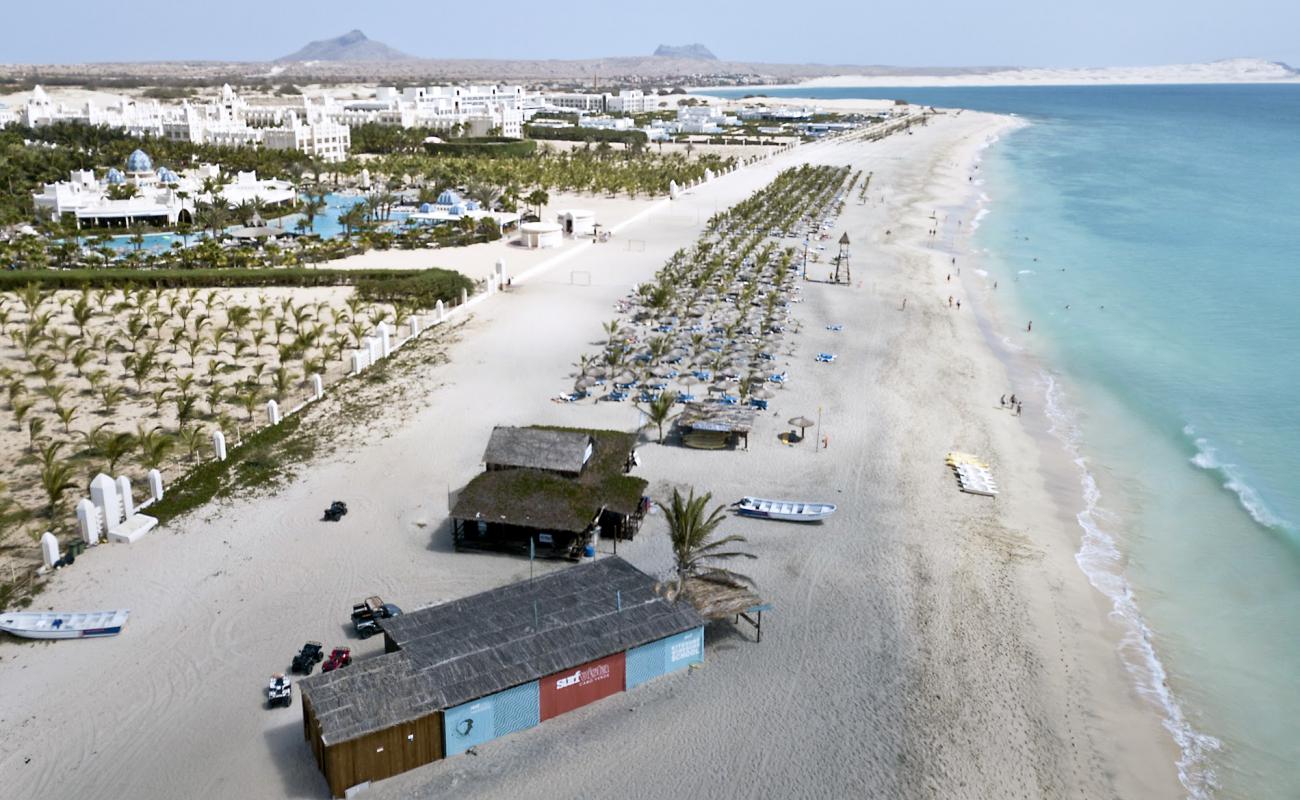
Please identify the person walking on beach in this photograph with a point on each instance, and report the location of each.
(1020, 407)
(904, 303)
(1013, 399)
(1030, 327)
(1003, 401)
(959, 305)
(949, 301)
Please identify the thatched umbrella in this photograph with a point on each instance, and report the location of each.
(762, 393)
(803, 424)
(661, 372)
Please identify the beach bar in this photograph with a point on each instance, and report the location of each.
(548, 492)
(460, 674)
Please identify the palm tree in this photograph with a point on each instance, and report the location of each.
(691, 532)
(56, 478)
(154, 446)
(282, 380)
(248, 399)
(66, 415)
(659, 411)
(193, 438)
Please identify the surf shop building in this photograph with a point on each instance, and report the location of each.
(461, 674)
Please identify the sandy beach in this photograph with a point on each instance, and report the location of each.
(923, 643)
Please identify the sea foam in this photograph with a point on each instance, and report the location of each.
(1102, 562)
(1207, 458)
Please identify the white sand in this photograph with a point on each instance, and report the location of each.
(924, 643)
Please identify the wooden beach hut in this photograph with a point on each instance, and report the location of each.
(463, 673)
(547, 490)
(714, 426)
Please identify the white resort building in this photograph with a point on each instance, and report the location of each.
(160, 197)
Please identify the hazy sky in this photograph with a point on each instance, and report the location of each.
(925, 33)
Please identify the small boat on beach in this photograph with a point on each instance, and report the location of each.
(785, 510)
(63, 625)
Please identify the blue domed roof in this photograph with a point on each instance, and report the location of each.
(448, 198)
(425, 208)
(115, 176)
(167, 176)
(139, 161)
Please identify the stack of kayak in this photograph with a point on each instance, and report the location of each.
(973, 475)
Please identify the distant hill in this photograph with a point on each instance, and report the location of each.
(351, 46)
(695, 51)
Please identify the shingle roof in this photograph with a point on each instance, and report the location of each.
(472, 647)
(537, 448)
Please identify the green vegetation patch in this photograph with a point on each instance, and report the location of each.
(421, 289)
(261, 460)
(576, 134)
(434, 284)
(490, 146)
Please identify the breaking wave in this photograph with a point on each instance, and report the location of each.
(1102, 562)
(1207, 458)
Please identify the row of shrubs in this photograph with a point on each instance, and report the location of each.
(576, 134)
(421, 289)
(430, 284)
(490, 146)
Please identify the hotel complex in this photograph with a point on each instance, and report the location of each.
(141, 194)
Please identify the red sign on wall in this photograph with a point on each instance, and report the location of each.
(574, 688)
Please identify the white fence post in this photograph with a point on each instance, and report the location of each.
(103, 493)
(88, 521)
(124, 495)
(155, 485)
(49, 549)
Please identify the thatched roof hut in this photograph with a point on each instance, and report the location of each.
(562, 451)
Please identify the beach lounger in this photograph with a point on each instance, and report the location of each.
(836, 328)
(683, 397)
(758, 403)
(778, 377)
(825, 358)
(616, 396)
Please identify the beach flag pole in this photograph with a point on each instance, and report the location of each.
(818, 440)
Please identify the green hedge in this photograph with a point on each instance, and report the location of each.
(492, 146)
(207, 278)
(421, 289)
(576, 134)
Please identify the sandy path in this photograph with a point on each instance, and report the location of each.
(924, 643)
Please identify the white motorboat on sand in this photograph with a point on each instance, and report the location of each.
(786, 510)
(63, 625)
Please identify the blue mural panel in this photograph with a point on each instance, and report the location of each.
(517, 709)
(663, 656)
(487, 718)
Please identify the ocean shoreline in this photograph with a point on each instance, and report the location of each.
(1063, 465)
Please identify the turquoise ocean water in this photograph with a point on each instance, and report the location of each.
(1167, 219)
